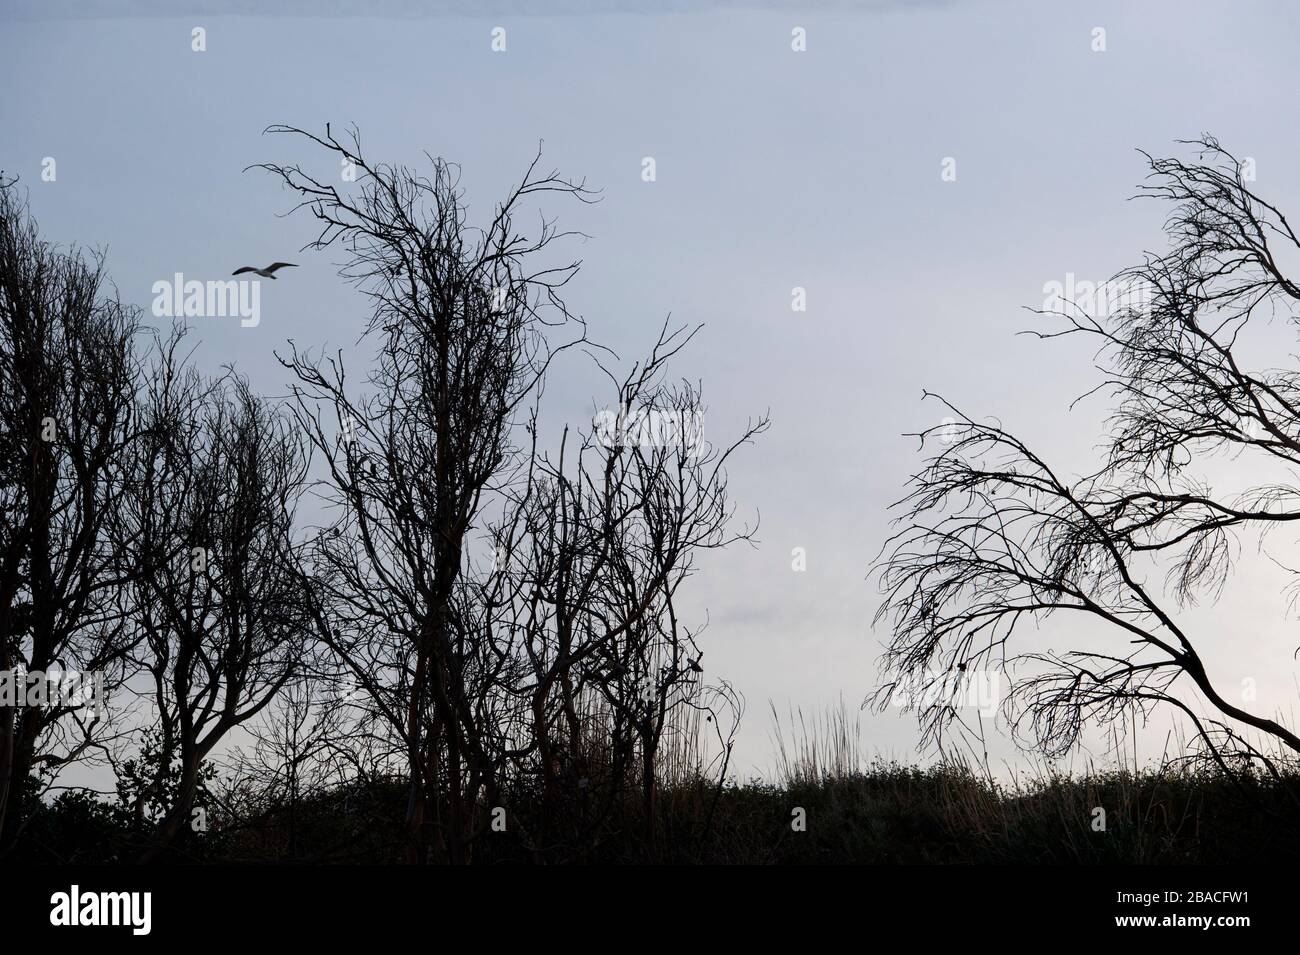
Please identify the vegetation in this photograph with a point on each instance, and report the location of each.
(391, 618)
(875, 812)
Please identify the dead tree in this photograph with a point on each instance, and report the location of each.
(68, 375)
(463, 320)
(586, 567)
(208, 521)
(996, 543)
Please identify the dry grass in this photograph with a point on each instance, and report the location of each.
(857, 811)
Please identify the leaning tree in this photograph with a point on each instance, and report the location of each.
(995, 544)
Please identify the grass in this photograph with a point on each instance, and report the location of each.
(854, 810)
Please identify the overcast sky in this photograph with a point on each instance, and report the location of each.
(775, 169)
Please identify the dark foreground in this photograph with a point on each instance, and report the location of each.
(887, 815)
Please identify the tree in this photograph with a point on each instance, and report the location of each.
(461, 316)
(587, 564)
(208, 520)
(68, 379)
(481, 674)
(994, 540)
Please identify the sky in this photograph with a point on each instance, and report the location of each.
(820, 169)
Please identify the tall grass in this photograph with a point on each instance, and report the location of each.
(826, 746)
(857, 809)
(862, 809)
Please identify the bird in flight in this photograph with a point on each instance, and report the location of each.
(266, 273)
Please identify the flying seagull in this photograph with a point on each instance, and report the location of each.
(266, 273)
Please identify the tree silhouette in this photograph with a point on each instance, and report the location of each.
(478, 677)
(588, 561)
(68, 379)
(208, 521)
(995, 542)
(483, 610)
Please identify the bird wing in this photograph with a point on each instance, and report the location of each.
(280, 265)
(246, 268)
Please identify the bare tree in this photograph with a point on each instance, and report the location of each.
(68, 375)
(587, 565)
(461, 316)
(491, 676)
(222, 611)
(995, 543)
